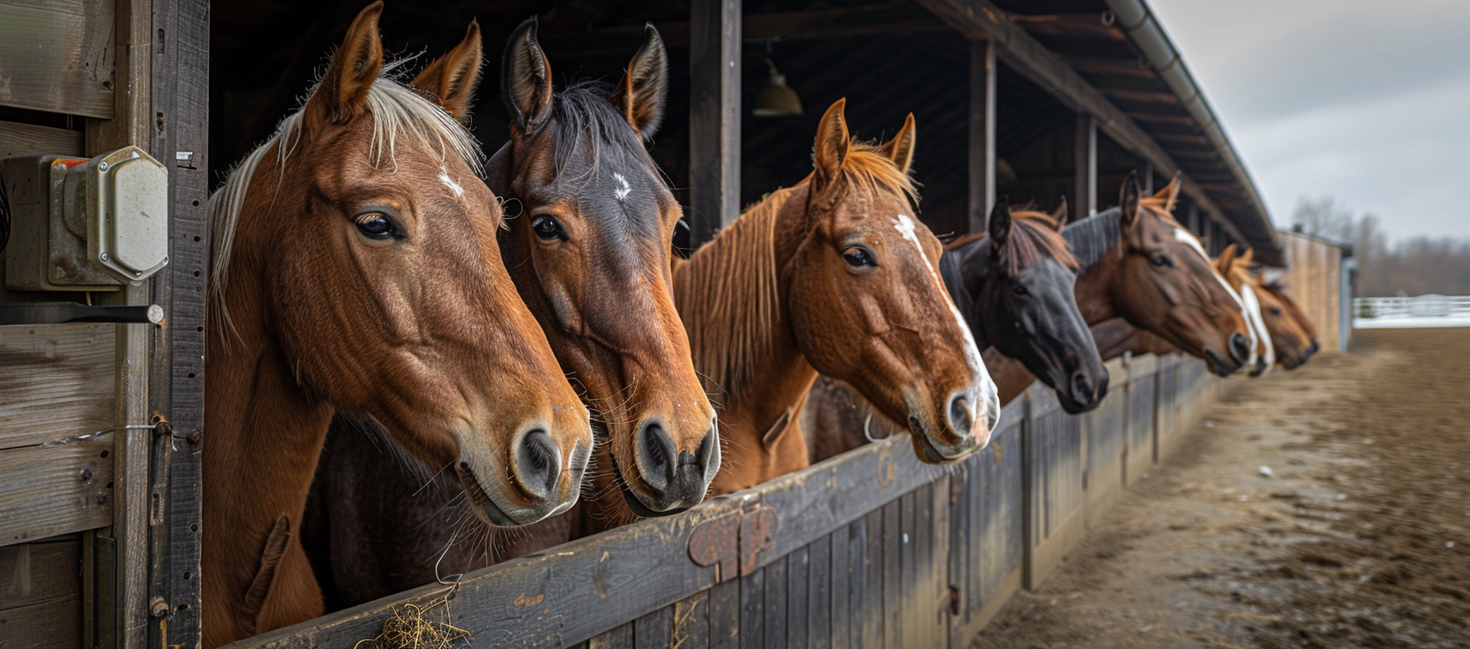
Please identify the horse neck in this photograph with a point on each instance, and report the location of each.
(965, 271)
(263, 438)
(1097, 243)
(771, 377)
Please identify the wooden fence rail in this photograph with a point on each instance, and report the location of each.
(868, 549)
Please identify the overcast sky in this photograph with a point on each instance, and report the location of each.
(1365, 101)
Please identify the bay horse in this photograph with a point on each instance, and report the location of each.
(1238, 276)
(1290, 342)
(1015, 286)
(355, 269)
(590, 254)
(832, 275)
(1293, 311)
(1139, 264)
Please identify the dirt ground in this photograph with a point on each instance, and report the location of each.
(1326, 507)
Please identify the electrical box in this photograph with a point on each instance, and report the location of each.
(85, 225)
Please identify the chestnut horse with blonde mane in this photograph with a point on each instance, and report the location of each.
(590, 255)
(356, 270)
(832, 275)
(1290, 341)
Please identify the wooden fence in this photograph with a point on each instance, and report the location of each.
(868, 549)
(1315, 282)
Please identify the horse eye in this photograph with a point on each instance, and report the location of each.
(547, 228)
(1163, 261)
(376, 225)
(857, 257)
(1275, 311)
(1019, 290)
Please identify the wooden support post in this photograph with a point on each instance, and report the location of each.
(1085, 165)
(1147, 181)
(1193, 219)
(982, 132)
(714, 117)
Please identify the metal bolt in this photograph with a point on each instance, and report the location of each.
(194, 437)
(104, 256)
(102, 166)
(158, 607)
(86, 475)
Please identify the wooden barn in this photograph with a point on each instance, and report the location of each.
(102, 375)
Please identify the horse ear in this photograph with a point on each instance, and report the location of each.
(900, 149)
(342, 93)
(1248, 256)
(1000, 223)
(832, 144)
(451, 79)
(1128, 200)
(1059, 215)
(1170, 194)
(641, 95)
(525, 79)
(1226, 260)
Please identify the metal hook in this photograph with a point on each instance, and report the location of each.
(868, 433)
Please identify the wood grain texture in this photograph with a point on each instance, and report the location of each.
(58, 382)
(58, 56)
(53, 624)
(26, 139)
(49, 491)
(32, 573)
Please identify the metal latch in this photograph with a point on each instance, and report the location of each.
(85, 225)
(734, 542)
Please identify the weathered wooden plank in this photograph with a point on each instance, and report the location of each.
(753, 610)
(798, 604)
(620, 637)
(957, 575)
(871, 612)
(46, 491)
(714, 117)
(25, 139)
(31, 573)
(892, 577)
(819, 591)
(908, 543)
(724, 616)
(55, 623)
(58, 382)
(58, 56)
(925, 590)
(775, 611)
(655, 630)
(982, 133)
(845, 583)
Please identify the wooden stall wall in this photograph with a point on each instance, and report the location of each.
(98, 492)
(868, 549)
(1314, 281)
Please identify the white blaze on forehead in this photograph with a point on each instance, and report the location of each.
(1187, 238)
(1253, 308)
(988, 392)
(449, 182)
(623, 187)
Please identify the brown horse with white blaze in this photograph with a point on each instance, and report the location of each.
(833, 275)
(356, 270)
(1290, 341)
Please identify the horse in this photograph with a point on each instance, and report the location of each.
(1239, 279)
(1293, 311)
(832, 275)
(355, 269)
(591, 256)
(1139, 264)
(1015, 285)
(1290, 343)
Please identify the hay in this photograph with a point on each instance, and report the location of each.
(410, 627)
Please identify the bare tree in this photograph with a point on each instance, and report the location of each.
(1324, 218)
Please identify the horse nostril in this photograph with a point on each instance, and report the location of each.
(1082, 388)
(1240, 347)
(538, 464)
(656, 456)
(958, 413)
(707, 451)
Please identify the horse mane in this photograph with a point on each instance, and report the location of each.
(731, 281)
(397, 111)
(1093, 238)
(1033, 237)
(583, 108)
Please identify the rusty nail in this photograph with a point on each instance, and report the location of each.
(161, 428)
(194, 437)
(86, 475)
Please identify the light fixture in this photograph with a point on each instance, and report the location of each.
(776, 99)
